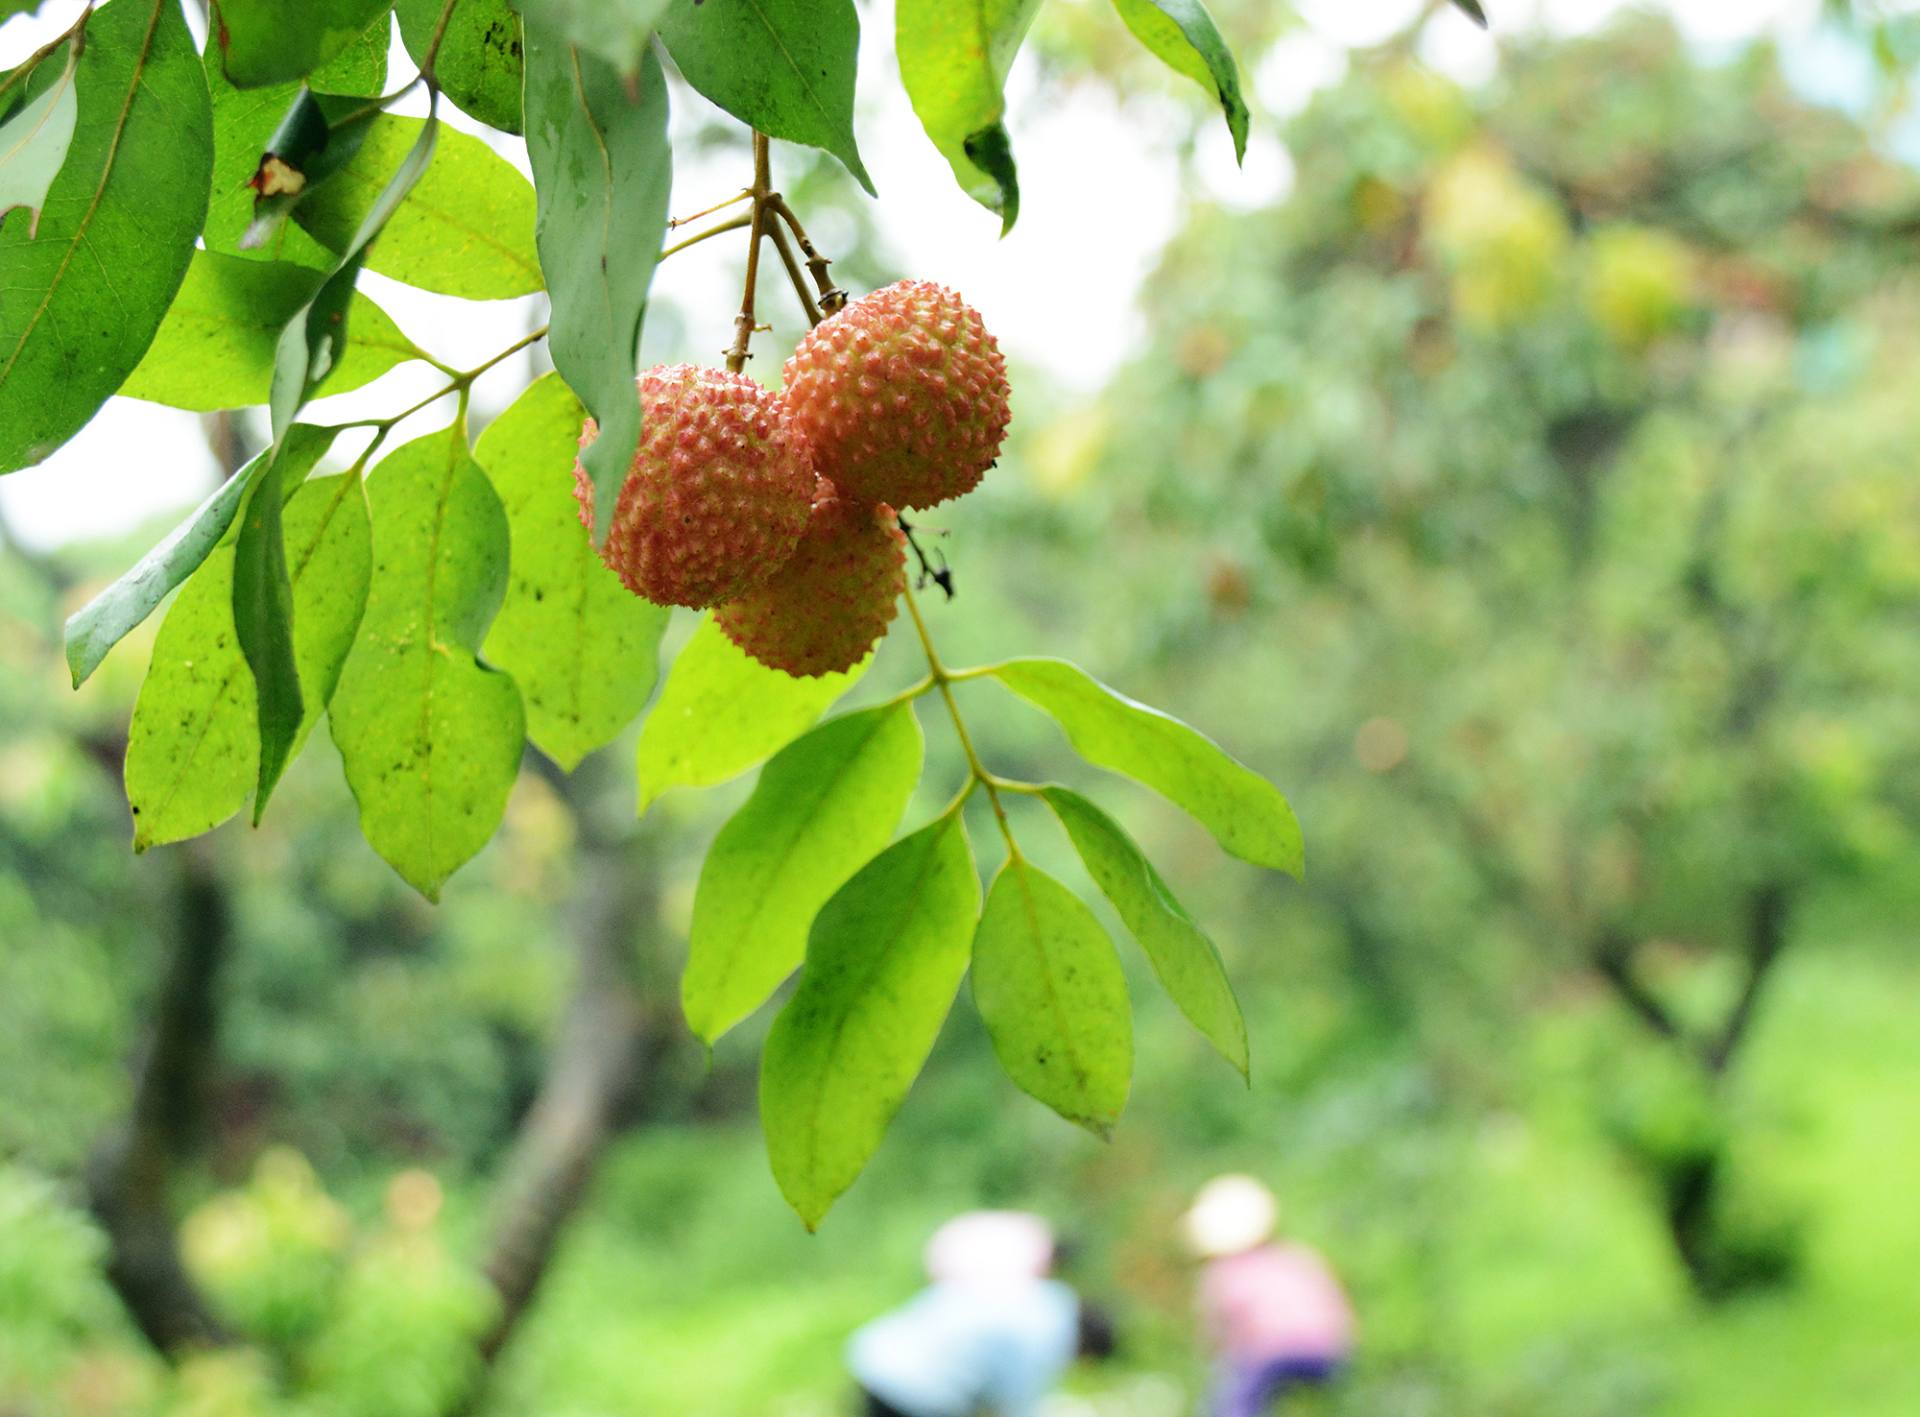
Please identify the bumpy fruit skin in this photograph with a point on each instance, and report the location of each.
(822, 611)
(718, 494)
(902, 396)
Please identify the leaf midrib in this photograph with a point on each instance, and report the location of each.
(99, 191)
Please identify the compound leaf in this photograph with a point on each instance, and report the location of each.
(193, 748)
(785, 67)
(954, 57)
(602, 170)
(465, 228)
(82, 294)
(430, 737)
(583, 648)
(1246, 813)
(884, 960)
(1052, 995)
(1183, 35)
(824, 805)
(215, 349)
(721, 712)
(1184, 959)
(479, 65)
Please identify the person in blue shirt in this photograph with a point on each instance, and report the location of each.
(986, 1337)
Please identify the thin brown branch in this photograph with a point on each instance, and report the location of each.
(1612, 958)
(832, 298)
(743, 323)
(785, 248)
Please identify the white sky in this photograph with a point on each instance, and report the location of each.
(1101, 193)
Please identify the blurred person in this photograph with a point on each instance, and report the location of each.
(992, 1333)
(1272, 1311)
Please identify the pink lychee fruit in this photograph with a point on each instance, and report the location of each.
(718, 493)
(902, 396)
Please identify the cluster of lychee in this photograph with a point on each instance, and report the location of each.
(779, 509)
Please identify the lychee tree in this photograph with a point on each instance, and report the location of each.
(186, 222)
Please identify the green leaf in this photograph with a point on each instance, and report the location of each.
(430, 737)
(246, 124)
(466, 229)
(1473, 11)
(33, 144)
(105, 620)
(583, 648)
(602, 169)
(81, 298)
(785, 67)
(616, 31)
(1183, 957)
(269, 41)
(1246, 813)
(884, 960)
(823, 806)
(314, 340)
(1185, 38)
(193, 748)
(479, 65)
(263, 624)
(1052, 995)
(215, 348)
(954, 57)
(721, 712)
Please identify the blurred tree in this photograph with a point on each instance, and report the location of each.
(1549, 447)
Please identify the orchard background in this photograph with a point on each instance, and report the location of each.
(1509, 459)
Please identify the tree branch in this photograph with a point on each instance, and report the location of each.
(605, 1046)
(1768, 907)
(1612, 959)
(129, 1176)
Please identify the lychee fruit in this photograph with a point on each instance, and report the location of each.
(902, 396)
(718, 494)
(822, 611)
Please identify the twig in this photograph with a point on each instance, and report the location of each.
(732, 224)
(785, 248)
(743, 323)
(832, 298)
(742, 195)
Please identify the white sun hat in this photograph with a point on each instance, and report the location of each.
(990, 1245)
(1231, 1214)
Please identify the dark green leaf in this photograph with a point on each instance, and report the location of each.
(430, 738)
(1051, 993)
(1245, 812)
(954, 57)
(720, 713)
(614, 30)
(109, 616)
(1183, 957)
(479, 64)
(583, 648)
(466, 229)
(80, 300)
(1184, 36)
(263, 623)
(215, 348)
(785, 67)
(884, 960)
(269, 41)
(33, 144)
(1474, 11)
(602, 168)
(823, 806)
(193, 748)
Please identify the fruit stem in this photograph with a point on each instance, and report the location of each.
(762, 188)
(785, 248)
(977, 769)
(832, 298)
(742, 195)
(459, 382)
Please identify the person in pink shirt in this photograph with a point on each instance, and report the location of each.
(1272, 1310)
